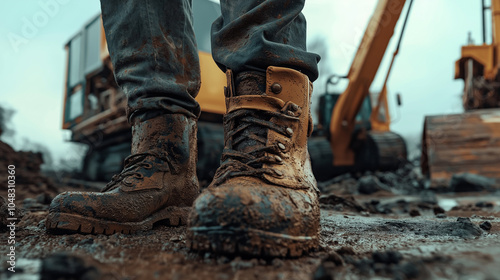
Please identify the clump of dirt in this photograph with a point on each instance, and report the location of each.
(424, 204)
(30, 182)
(386, 264)
(462, 227)
(341, 203)
(406, 180)
(467, 182)
(6, 212)
(67, 266)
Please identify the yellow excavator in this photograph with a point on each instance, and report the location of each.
(352, 133)
(478, 66)
(357, 122)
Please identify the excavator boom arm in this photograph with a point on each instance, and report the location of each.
(363, 70)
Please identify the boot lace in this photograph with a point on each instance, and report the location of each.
(248, 131)
(132, 165)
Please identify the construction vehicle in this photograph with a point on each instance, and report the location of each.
(352, 133)
(478, 66)
(469, 142)
(357, 122)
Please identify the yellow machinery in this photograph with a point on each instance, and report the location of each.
(478, 66)
(469, 142)
(359, 134)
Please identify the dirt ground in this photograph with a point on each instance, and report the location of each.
(455, 238)
(373, 226)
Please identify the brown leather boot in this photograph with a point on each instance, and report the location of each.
(158, 183)
(263, 199)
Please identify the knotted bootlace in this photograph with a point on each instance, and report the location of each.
(245, 155)
(133, 164)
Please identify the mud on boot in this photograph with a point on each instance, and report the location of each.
(263, 200)
(158, 183)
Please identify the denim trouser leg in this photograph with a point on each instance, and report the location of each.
(154, 55)
(260, 33)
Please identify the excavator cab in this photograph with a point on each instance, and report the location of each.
(326, 104)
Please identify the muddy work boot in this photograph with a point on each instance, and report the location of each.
(158, 183)
(263, 200)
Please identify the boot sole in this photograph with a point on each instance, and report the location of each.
(249, 242)
(65, 222)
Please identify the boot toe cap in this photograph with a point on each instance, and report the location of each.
(262, 207)
(72, 203)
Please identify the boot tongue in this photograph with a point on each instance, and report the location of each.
(251, 83)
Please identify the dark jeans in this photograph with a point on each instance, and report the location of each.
(153, 48)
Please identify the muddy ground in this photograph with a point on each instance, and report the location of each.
(461, 243)
(374, 226)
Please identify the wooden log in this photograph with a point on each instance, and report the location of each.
(461, 143)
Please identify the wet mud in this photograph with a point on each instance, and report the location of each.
(463, 243)
(396, 232)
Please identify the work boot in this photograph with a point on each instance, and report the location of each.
(158, 183)
(263, 199)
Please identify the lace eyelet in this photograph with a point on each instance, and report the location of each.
(278, 159)
(281, 146)
(127, 182)
(148, 165)
(289, 131)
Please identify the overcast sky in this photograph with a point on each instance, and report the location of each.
(32, 59)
